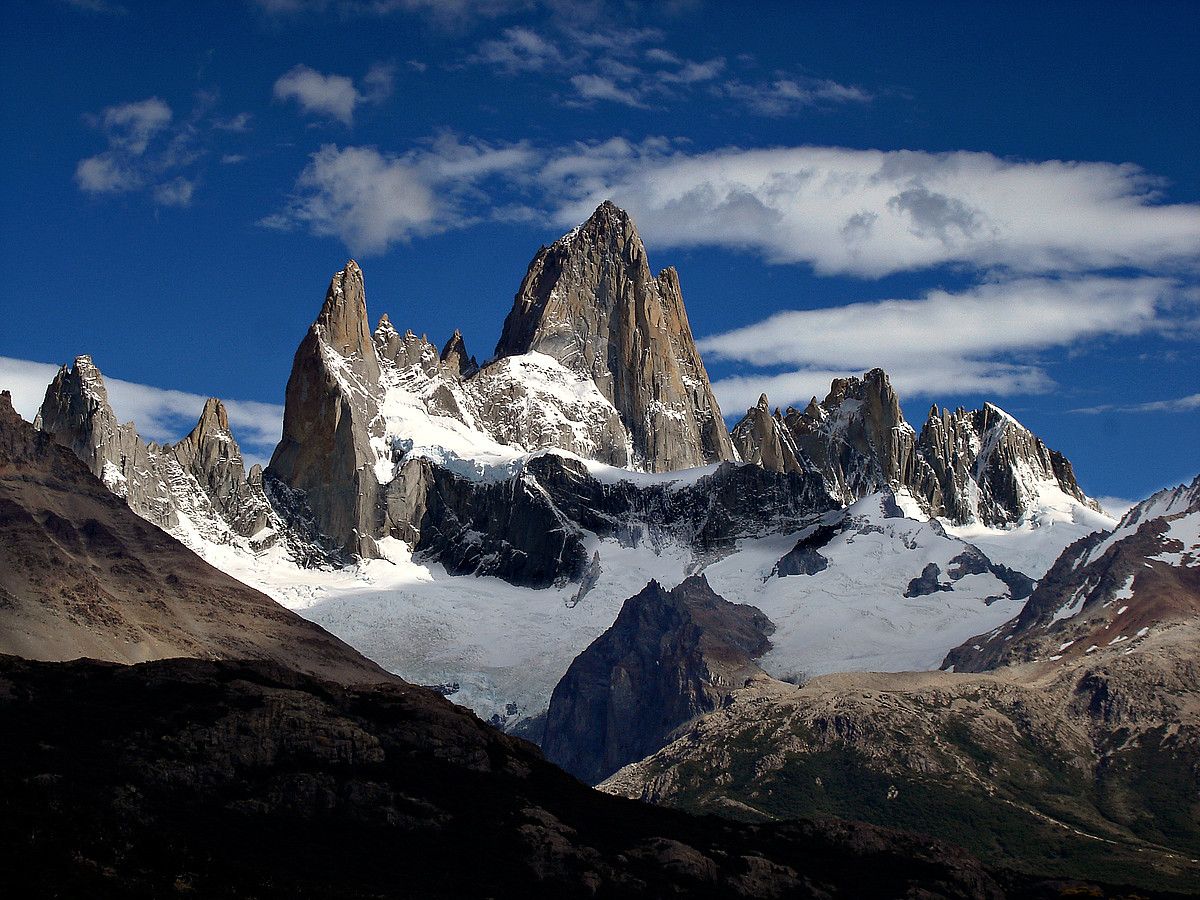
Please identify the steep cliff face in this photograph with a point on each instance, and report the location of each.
(330, 410)
(77, 414)
(979, 466)
(197, 488)
(590, 302)
(760, 438)
(670, 657)
(988, 467)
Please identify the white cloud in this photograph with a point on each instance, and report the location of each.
(785, 95)
(148, 149)
(161, 415)
(871, 213)
(691, 72)
(177, 192)
(1116, 506)
(99, 6)
(598, 87)
(448, 12)
(1190, 403)
(961, 343)
(333, 95)
(865, 213)
(369, 199)
(237, 124)
(130, 126)
(518, 50)
(105, 174)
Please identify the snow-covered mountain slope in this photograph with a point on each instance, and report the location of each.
(1107, 591)
(872, 602)
(505, 647)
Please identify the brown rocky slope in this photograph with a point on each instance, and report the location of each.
(81, 574)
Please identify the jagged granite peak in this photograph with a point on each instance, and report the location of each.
(211, 456)
(325, 459)
(196, 487)
(762, 439)
(989, 467)
(76, 413)
(343, 316)
(590, 302)
(967, 466)
(671, 656)
(455, 358)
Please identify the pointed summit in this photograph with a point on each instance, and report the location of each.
(456, 358)
(329, 407)
(343, 319)
(590, 301)
(213, 418)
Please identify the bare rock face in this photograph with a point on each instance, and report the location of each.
(330, 409)
(992, 451)
(77, 414)
(590, 302)
(201, 478)
(210, 455)
(857, 436)
(670, 657)
(455, 358)
(762, 439)
(968, 466)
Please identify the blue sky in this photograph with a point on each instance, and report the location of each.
(991, 201)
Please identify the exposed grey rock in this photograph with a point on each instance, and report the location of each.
(455, 358)
(669, 657)
(201, 478)
(330, 412)
(979, 466)
(991, 450)
(590, 302)
(761, 438)
(927, 582)
(77, 414)
(531, 529)
(805, 558)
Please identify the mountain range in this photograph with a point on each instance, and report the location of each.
(566, 539)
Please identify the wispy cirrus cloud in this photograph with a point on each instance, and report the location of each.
(150, 149)
(966, 342)
(1190, 403)
(631, 67)
(161, 414)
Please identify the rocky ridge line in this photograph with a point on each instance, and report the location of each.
(967, 466)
